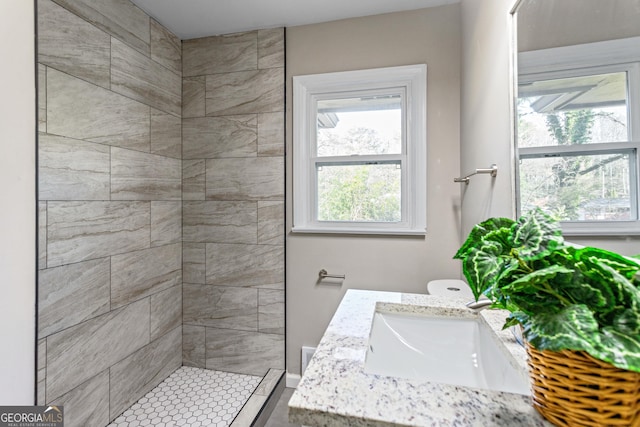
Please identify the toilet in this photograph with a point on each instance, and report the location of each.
(453, 288)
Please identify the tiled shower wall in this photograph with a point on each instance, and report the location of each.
(233, 202)
(110, 237)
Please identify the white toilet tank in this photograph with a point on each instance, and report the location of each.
(453, 288)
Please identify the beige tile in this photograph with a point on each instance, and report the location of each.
(166, 47)
(81, 110)
(88, 404)
(220, 54)
(250, 411)
(41, 374)
(138, 274)
(141, 78)
(142, 176)
(244, 352)
(271, 48)
(71, 294)
(70, 169)
(42, 98)
(271, 134)
(79, 231)
(271, 311)
(42, 235)
(269, 382)
(217, 137)
(81, 352)
(193, 262)
(193, 179)
(220, 306)
(245, 92)
(245, 265)
(260, 178)
(71, 44)
(166, 311)
(166, 134)
(120, 18)
(136, 375)
(193, 346)
(166, 223)
(271, 223)
(213, 221)
(193, 96)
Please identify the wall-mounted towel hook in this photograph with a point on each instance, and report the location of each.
(493, 171)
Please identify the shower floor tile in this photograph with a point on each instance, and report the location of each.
(192, 397)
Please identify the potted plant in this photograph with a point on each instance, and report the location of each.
(572, 302)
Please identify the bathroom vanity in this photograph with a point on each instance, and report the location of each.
(344, 385)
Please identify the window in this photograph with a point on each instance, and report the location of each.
(579, 137)
(360, 151)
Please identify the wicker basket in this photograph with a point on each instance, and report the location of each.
(571, 388)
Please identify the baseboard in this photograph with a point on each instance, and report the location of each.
(292, 380)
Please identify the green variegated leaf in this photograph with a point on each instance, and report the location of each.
(538, 281)
(535, 235)
(628, 322)
(481, 265)
(623, 265)
(619, 349)
(572, 328)
(479, 232)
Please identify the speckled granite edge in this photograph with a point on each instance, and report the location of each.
(336, 391)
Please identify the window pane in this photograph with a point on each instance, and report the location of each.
(578, 188)
(367, 193)
(577, 110)
(363, 125)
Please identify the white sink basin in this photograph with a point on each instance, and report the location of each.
(450, 350)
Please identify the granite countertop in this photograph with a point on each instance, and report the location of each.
(335, 390)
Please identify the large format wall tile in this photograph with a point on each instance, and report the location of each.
(193, 262)
(220, 54)
(271, 48)
(80, 352)
(42, 98)
(245, 92)
(193, 96)
(271, 134)
(41, 373)
(71, 294)
(166, 311)
(81, 110)
(166, 47)
(271, 223)
(88, 404)
(70, 169)
(220, 306)
(216, 137)
(249, 353)
(213, 221)
(142, 176)
(120, 18)
(141, 78)
(260, 178)
(166, 134)
(193, 346)
(166, 223)
(134, 376)
(193, 179)
(42, 235)
(70, 44)
(79, 231)
(245, 265)
(135, 275)
(271, 311)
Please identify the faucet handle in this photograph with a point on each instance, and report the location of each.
(479, 305)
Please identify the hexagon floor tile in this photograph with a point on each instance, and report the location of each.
(192, 397)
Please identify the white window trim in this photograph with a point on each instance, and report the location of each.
(606, 56)
(413, 80)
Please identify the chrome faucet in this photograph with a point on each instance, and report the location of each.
(479, 305)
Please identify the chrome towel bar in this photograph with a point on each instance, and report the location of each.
(322, 274)
(493, 171)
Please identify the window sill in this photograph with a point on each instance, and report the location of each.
(359, 231)
(595, 228)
